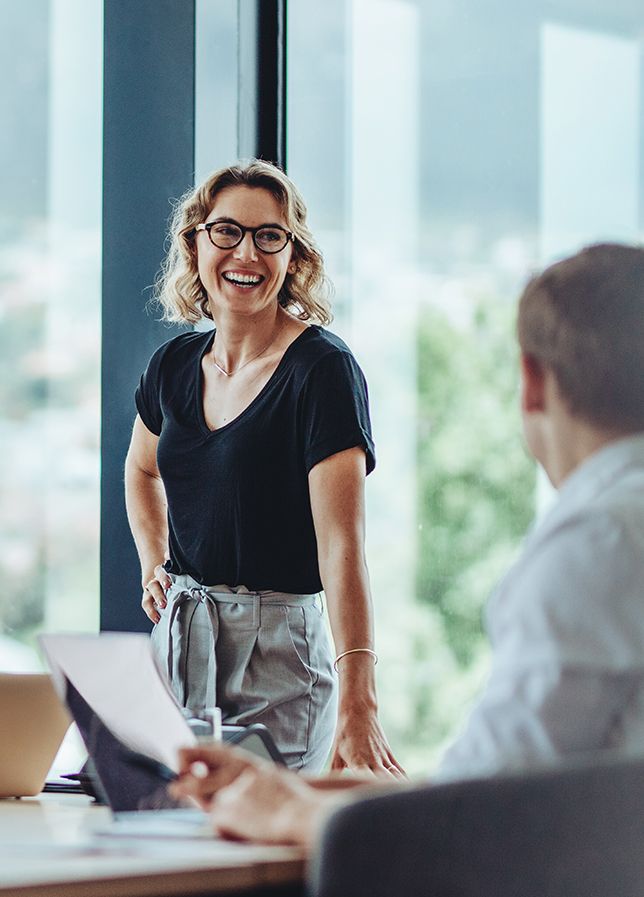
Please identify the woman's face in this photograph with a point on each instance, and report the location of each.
(243, 280)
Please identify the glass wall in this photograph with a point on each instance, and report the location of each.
(216, 85)
(216, 91)
(446, 150)
(50, 352)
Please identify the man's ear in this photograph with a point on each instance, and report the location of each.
(532, 385)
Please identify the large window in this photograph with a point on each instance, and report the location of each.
(50, 236)
(445, 150)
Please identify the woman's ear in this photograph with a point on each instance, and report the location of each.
(532, 384)
(292, 268)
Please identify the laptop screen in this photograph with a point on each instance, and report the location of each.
(126, 780)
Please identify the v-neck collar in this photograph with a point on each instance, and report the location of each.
(201, 417)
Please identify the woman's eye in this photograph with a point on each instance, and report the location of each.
(226, 230)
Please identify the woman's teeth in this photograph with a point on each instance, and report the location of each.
(242, 279)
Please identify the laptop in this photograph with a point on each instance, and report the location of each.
(131, 770)
(34, 723)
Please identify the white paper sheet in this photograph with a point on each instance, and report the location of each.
(116, 673)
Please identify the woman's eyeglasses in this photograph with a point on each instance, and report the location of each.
(268, 238)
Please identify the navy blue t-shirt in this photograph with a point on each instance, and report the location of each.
(239, 511)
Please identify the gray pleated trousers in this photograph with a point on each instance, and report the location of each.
(261, 657)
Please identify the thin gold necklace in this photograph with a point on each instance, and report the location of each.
(248, 360)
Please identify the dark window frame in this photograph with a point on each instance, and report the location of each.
(262, 80)
(148, 152)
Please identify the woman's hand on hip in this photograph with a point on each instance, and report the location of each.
(360, 745)
(154, 589)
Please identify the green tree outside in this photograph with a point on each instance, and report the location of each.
(476, 487)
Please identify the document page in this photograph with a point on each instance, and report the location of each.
(117, 675)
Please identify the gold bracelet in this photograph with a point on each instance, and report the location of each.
(355, 651)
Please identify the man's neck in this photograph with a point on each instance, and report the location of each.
(573, 442)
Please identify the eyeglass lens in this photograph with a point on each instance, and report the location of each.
(225, 235)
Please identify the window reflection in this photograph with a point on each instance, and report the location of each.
(50, 232)
(216, 87)
(445, 151)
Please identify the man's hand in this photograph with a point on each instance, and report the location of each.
(251, 799)
(204, 771)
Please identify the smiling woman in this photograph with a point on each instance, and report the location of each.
(245, 479)
(244, 266)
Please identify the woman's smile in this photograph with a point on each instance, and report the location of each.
(243, 279)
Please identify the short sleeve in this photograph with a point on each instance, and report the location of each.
(334, 410)
(148, 393)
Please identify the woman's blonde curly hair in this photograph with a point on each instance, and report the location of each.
(178, 288)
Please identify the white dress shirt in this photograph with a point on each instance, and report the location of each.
(567, 630)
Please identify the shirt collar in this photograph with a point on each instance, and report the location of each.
(594, 475)
(603, 467)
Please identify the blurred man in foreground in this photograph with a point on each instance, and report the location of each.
(567, 621)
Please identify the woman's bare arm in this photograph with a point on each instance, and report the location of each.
(336, 487)
(146, 506)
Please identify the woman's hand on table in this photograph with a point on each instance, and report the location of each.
(360, 746)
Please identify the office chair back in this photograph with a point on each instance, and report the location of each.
(574, 832)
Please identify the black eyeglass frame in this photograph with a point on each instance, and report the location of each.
(208, 226)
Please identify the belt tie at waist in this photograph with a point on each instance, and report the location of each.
(183, 687)
(190, 660)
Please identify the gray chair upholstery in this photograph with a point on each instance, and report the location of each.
(573, 832)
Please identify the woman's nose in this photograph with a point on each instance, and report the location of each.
(246, 249)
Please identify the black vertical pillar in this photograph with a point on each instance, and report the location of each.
(148, 159)
(262, 80)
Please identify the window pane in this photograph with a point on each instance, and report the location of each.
(446, 150)
(216, 87)
(50, 242)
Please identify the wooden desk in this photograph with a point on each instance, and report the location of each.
(47, 850)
